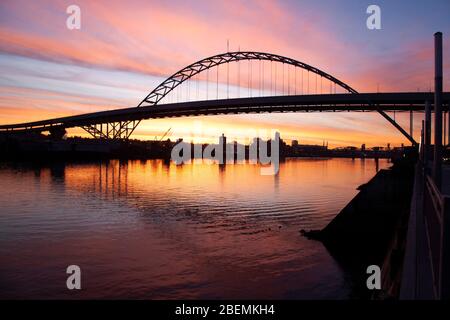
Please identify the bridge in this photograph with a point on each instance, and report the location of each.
(273, 97)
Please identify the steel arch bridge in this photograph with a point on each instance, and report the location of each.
(120, 124)
(125, 129)
(197, 67)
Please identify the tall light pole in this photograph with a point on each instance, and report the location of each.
(437, 167)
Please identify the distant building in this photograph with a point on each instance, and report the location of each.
(308, 150)
(277, 135)
(223, 140)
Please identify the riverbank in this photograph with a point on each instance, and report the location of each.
(371, 229)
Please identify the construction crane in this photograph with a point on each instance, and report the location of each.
(165, 134)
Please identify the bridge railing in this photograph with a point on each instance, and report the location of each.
(436, 220)
(436, 209)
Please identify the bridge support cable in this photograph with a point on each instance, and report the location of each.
(186, 73)
(168, 85)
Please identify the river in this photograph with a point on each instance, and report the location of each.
(153, 230)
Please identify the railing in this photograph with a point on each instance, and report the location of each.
(428, 254)
(436, 213)
(436, 218)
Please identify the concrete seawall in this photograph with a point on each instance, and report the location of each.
(371, 230)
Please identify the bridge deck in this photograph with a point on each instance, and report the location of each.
(294, 103)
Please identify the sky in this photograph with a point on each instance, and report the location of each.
(124, 49)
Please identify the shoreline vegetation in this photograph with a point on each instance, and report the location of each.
(35, 146)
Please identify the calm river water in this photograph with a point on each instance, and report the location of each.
(152, 230)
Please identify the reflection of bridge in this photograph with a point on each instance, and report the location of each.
(122, 122)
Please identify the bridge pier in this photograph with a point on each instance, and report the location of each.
(57, 132)
(112, 130)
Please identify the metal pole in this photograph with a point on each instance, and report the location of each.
(422, 142)
(448, 126)
(427, 131)
(444, 121)
(437, 168)
(411, 120)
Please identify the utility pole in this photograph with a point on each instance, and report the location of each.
(437, 167)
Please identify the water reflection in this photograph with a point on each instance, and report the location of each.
(150, 229)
